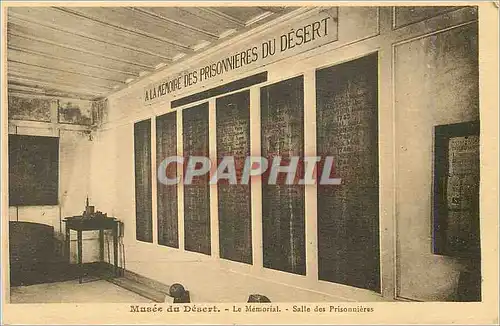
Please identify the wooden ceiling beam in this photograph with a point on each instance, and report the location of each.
(63, 86)
(150, 13)
(76, 84)
(23, 88)
(49, 69)
(42, 40)
(71, 60)
(49, 74)
(258, 18)
(275, 10)
(223, 16)
(34, 22)
(141, 33)
(53, 63)
(34, 89)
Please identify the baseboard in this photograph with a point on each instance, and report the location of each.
(134, 277)
(145, 286)
(165, 288)
(140, 289)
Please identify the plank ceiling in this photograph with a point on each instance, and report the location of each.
(90, 52)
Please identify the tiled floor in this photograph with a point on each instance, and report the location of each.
(73, 292)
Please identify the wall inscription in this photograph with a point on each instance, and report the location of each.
(233, 139)
(348, 239)
(143, 193)
(166, 146)
(196, 194)
(291, 39)
(283, 210)
(456, 198)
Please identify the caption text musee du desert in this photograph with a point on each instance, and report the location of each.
(250, 308)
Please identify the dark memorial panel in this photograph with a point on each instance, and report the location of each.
(348, 217)
(456, 190)
(166, 146)
(283, 225)
(196, 194)
(33, 170)
(221, 89)
(143, 192)
(233, 139)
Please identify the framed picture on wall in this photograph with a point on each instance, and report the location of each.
(456, 190)
(77, 112)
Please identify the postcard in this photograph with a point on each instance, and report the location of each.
(249, 163)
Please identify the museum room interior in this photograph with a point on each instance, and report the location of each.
(100, 97)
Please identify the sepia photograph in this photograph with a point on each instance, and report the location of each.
(249, 163)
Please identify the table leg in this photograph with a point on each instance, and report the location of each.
(80, 260)
(115, 248)
(67, 243)
(101, 245)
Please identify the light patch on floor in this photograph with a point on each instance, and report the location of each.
(73, 292)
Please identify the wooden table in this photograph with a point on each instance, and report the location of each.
(80, 224)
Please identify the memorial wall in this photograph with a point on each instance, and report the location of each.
(166, 146)
(282, 134)
(233, 139)
(196, 194)
(369, 93)
(348, 218)
(143, 182)
(462, 197)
